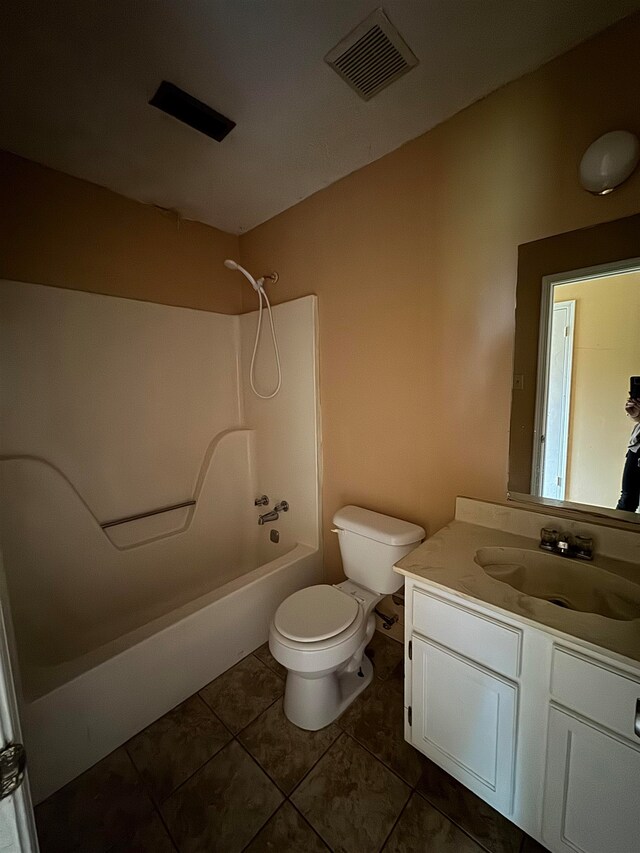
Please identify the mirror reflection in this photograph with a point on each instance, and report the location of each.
(583, 446)
(588, 404)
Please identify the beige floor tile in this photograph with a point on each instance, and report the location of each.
(150, 837)
(385, 654)
(493, 831)
(243, 692)
(287, 832)
(376, 720)
(102, 806)
(267, 658)
(350, 798)
(223, 806)
(175, 746)
(282, 749)
(422, 828)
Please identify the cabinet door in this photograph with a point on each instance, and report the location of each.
(592, 789)
(464, 719)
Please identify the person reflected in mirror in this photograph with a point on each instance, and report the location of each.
(630, 495)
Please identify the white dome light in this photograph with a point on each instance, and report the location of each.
(609, 161)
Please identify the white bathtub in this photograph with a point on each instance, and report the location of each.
(114, 691)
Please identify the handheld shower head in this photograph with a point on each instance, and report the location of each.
(233, 265)
(258, 286)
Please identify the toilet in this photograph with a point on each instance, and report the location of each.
(320, 633)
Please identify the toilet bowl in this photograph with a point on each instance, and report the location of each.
(320, 633)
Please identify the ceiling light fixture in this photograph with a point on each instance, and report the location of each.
(609, 161)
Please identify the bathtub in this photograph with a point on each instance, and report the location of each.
(106, 696)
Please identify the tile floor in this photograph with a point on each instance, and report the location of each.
(225, 771)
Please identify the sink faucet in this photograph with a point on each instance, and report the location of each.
(579, 547)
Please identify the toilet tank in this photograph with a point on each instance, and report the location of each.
(370, 545)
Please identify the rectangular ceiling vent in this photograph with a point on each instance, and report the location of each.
(372, 56)
(179, 104)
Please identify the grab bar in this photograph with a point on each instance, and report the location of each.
(151, 512)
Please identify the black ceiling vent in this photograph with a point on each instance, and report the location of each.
(172, 100)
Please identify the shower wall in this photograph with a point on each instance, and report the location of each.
(113, 407)
(287, 433)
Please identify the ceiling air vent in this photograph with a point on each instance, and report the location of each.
(372, 56)
(172, 100)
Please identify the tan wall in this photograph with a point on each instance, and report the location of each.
(58, 230)
(606, 352)
(414, 262)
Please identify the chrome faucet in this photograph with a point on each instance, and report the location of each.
(268, 516)
(566, 544)
(274, 515)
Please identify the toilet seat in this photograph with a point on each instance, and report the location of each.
(315, 613)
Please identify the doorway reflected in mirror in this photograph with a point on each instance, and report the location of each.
(590, 349)
(573, 437)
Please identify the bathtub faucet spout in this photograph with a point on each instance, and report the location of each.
(268, 516)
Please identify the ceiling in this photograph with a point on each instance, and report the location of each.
(76, 76)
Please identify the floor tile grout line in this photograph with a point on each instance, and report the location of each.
(315, 764)
(156, 806)
(384, 763)
(232, 737)
(264, 663)
(277, 808)
(209, 708)
(262, 826)
(232, 733)
(257, 717)
(309, 824)
(396, 822)
(195, 772)
(455, 823)
(379, 760)
(162, 800)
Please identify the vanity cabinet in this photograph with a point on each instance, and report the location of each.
(541, 729)
(471, 733)
(592, 788)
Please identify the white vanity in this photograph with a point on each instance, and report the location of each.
(533, 706)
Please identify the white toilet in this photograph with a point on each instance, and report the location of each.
(320, 633)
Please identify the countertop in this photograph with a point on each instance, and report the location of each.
(448, 559)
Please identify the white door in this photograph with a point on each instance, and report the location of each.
(558, 400)
(592, 789)
(17, 826)
(464, 719)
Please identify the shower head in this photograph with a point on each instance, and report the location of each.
(232, 265)
(257, 285)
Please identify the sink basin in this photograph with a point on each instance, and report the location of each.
(567, 583)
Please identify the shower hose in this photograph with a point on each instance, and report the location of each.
(261, 293)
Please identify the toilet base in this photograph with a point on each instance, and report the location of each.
(313, 703)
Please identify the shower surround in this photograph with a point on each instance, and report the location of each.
(112, 408)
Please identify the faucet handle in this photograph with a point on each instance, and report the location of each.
(263, 500)
(549, 538)
(282, 506)
(584, 547)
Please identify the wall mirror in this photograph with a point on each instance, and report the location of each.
(577, 345)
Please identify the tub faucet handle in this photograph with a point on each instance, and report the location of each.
(283, 506)
(263, 500)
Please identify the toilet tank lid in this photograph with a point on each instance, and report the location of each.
(374, 525)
